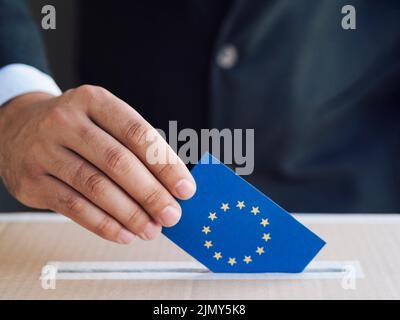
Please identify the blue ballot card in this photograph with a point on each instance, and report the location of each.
(231, 227)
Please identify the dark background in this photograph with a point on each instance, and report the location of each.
(62, 58)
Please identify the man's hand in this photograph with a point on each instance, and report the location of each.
(83, 154)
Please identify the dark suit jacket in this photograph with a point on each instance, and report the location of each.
(324, 101)
(20, 41)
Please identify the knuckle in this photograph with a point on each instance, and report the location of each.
(59, 115)
(32, 162)
(90, 92)
(166, 170)
(96, 184)
(136, 132)
(153, 197)
(85, 90)
(32, 172)
(74, 205)
(26, 190)
(87, 134)
(35, 195)
(79, 174)
(25, 183)
(116, 160)
(105, 228)
(63, 170)
(133, 217)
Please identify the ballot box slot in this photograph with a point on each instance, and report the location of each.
(138, 270)
(179, 270)
(158, 270)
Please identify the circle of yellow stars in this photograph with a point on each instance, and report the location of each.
(232, 261)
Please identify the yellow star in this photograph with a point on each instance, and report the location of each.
(225, 207)
(232, 261)
(260, 250)
(266, 236)
(247, 259)
(240, 205)
(206, 230)
(217, 255)
(255, 210)
(212, 216)
(264, 222)
(208, 244)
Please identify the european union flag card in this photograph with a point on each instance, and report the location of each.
(231, 227)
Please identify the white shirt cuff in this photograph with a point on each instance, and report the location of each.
(18, 79)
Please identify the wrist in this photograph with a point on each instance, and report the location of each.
(27, 98)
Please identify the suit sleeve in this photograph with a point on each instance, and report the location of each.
(20, 41)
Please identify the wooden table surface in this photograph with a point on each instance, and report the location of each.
(29, 242)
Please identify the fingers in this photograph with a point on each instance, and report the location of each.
(127, 171)
(104, 193)
(63, 199)
(129, 127)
